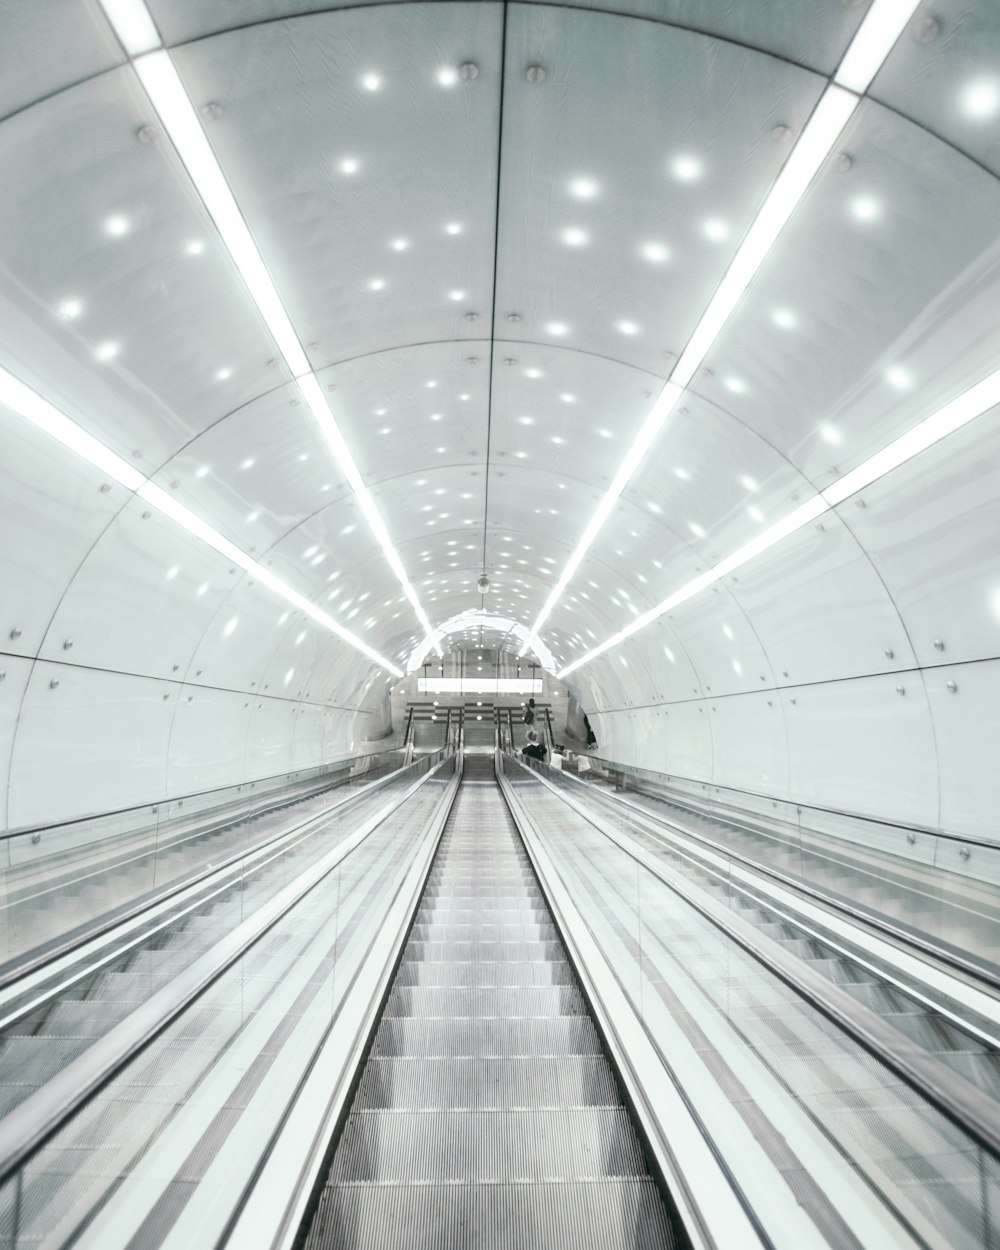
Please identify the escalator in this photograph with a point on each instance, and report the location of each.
(487, 1113)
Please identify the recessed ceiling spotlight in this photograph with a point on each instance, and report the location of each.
(371, 82)
(195, 247)
(567, 398)
(456, 295)
(453, 227)
(70, 309)
(748, 483)
(574, 236)
(682, 474)
(685, 167)
(696, 529)
(605, 434)
(558, 328)
(533, 373)
(656, 252)
(755, 513)
(716, 230)
(400, 245)
(898, 378)
(222, 374)
(865, 208)
(447, 77)
(526, 420)
(436, 416)
(981, 99)
(107, 351)
(583, 188)
(830, 434)
(782, 317)
(376, 284)
(464, 397)
(736, 385)
(431, 384)
(628, 327)
(117, 225)
(557, 440)
(349, 165)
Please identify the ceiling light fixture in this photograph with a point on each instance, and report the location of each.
(133, 24)
(973, 403)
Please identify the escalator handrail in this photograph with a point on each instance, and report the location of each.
(26, 1128)
(960, 1101)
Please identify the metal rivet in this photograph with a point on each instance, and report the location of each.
(926, 30)
(176, 667)
(513, 316)
(137, 454)
(842, 162)
(820, 527)
(792, 701)
(859, 503)
(15, 633)
(965, 852)
(889, 653)
(197, 672)
(472, 360)
(911, 838)
(53, 683)
(472, 316)
(211, 111)
(784, 673)
(105, 487)
(190, 698)
(901, 690)
(68, 644)
(535, 74)
(146, 516)
(174, 485)
(146, 134)
(166, 697)
(781, 134)
(938, 644)
(3, 674)
(951, 686)
(35, 839)
(468, 70)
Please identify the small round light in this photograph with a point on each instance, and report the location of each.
(376, 284)
(371, 82)
(557, 328)
(782, 317)
(117, 225)
(107, 351)
(899, 379)
(195, 247)
(447, 77)
(349, 165)
(456, 295)
(574, 237)
(222, 374)
(627, 327)
(400, 245)
(981, 99)
(453, 227)
(70, 309)
(655, 252)
(686, 168)
(865, 208)
(583, 188)
(716, 230)
(736, 385)
(567, 398)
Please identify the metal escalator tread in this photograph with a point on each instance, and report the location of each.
(487, 1114)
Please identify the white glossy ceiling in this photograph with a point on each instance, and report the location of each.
(492, 277)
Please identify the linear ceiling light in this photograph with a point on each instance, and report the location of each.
(42, 414)
(881, 27)
(972, 403)
(162, 84)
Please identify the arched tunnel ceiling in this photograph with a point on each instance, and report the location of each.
(492, 278)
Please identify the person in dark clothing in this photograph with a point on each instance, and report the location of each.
(591, 736)
(534, 750)
(529, 713)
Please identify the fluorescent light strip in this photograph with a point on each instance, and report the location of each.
(42, 414)
(878, 32)
(966, 407)
(168, 96)
(882, 26)
(133, 24)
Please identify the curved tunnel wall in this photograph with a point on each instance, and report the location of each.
(853, 667)
(137, 665)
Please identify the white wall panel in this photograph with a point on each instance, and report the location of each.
(307, 743)
(820, 608)
(721, 644)
(270, 737)
(142, 598)
(967, 731)
(861, 747)
(242, 637)
(16, 673)
(208, 739)
(52, 510)
(749, 746)
(932, 529)
(96, 742)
